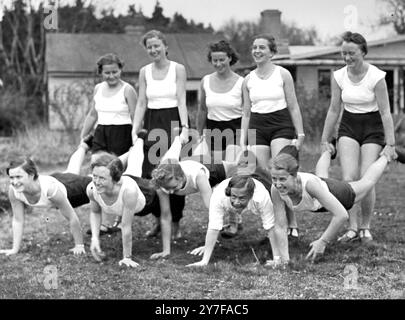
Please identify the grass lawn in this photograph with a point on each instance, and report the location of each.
(351, 271)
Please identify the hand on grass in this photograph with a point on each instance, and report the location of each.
(317, 248)
(96, 251)
(128, 262)
(8, 252)
(197, 251)
(78, 249)
(197, 264)
(159, 255)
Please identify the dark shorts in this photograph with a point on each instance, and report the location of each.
(152, 204)
(342, 190)
(362, 127)
(226, 133)
(165, 120)
(264, 177)
(269, 126)
(115, 139)
(76, 187)
(217, 173)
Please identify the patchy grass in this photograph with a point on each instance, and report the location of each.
(234, 272)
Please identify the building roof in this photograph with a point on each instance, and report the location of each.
(78, 53)
(315, 52)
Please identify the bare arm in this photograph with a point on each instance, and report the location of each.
(131, 98)
(204, 188)
(247, 105)
(202, 111)
(292, 104)
(91, 117)
(281, 224)
(129, 199)
(165, 224)
(381, 94)
(181, 79)
(61, 201)
(333, 112)
(17, 224)
(340, 215)
(140, 105)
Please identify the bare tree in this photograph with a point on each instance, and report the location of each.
(395, 16)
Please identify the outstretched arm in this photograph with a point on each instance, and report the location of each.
(60, 200)
(17, 224)
(165, 224)
(202, 111)
(332, 115)
(140, 105)
(91, 117)
(204, 188)
(293, 106)
(247, 105)
(210, 241)
(330, 203)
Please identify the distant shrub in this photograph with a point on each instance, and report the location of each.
(314, 110)
(18, 111)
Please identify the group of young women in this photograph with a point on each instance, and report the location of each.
(244, 161)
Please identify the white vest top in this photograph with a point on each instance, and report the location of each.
(359, 97)
(191, 169)
(161, 94)
(267, 95)
(112, 110)
(223, 106)
(118, 206)
(46, 183)
(307, 203)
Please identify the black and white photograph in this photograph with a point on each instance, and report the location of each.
(201, 158)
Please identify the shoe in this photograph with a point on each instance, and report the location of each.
(88, 140)
(365, 236)
(401, 154)
(231, 230)
(116, 227)
(350, 236)
(293, 233)
(143, 134)
(103, 230)
(334, 153)
(154, 231)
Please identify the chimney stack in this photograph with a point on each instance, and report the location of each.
(271, 23)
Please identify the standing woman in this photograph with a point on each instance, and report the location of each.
(161, 105)
(366, 129)
(113, 108)
(221, 100)
(271, 113)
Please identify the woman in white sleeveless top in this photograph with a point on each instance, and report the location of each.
(220, 108)
(61, 190)
(112, 108)
(297, 192)
(271, 114)
(161, 106)
(366, 128)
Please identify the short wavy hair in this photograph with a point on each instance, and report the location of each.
(223, 46)
(166, 171)
(270, 39)
(111, 162)
(356, 38)
(26, 163)
(109, 58)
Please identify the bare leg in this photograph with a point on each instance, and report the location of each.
(262, 154)
(349, 153)
(135, 159)
(76, 159)
(374, 172)
(278, 144)
(323, 164)
(174, 150)
(369, 154)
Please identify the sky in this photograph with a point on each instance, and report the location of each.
(330, 18)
